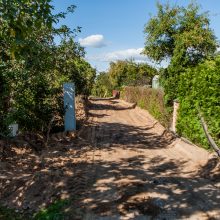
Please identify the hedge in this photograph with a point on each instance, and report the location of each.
(199, 90)
(150, 99)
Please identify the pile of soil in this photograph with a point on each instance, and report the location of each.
(30, 181)
(39, 141)
(36, 171)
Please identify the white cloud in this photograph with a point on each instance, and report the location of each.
(218, 49)
(125, 54)
(96, 41)
(135, 54)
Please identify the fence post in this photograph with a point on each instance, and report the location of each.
(13, 129)
(175, 114)
(155, 82)
(69, 106)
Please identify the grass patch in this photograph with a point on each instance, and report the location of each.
(55, 211)
(10, 214)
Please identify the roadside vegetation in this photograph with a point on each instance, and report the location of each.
(36, 57)
(123, 73)
(199, 91)
(182, 37)
(150, 99)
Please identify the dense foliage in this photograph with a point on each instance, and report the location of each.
(182, 36)
(149, 99)
(129, 73)
(199, 91)
(103, 85)
(123, 73)
(33, 67)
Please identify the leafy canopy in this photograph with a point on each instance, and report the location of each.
(123, 73)
(180, 34)
(33, 68)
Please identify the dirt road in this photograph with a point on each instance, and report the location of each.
(121, 165)
(140, 173)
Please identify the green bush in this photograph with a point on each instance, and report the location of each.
(54, 211)
(33, 67)
(122, 73)
(199, 88)
(103, 86)
(149, 99)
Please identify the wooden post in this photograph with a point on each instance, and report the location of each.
(69, 106)
(210, 139)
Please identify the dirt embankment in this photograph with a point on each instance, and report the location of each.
(36, 170)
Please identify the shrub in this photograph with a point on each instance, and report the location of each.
(103, 85)
(54, 211)
(199, 89)
(149, 99)
(33, 67)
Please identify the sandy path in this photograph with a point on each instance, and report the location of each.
(140, 174)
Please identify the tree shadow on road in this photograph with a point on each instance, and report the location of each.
(159, 191)
(136, 185)
(154, 187)
(127, 136)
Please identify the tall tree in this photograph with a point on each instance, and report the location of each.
(129, 73)
(181, 35)
(33, 68)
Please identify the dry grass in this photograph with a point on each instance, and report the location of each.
(149, 99)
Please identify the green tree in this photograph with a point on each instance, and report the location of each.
(199, 89)
(70, 63)
(123, 73)
(19, 20)
(118, 73)
(183, 37)
(145, 74)
(24, 26)
(103, 85)
(33, 68)
(129, 73)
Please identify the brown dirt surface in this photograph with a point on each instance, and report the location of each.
(122, 165)
(33, 175)
(143, 172)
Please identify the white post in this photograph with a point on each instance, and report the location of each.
(69, 106)
(13, 129)
(175, 115)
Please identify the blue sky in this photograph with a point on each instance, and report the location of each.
(113, 29)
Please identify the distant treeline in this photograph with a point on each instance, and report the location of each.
(123, 73)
